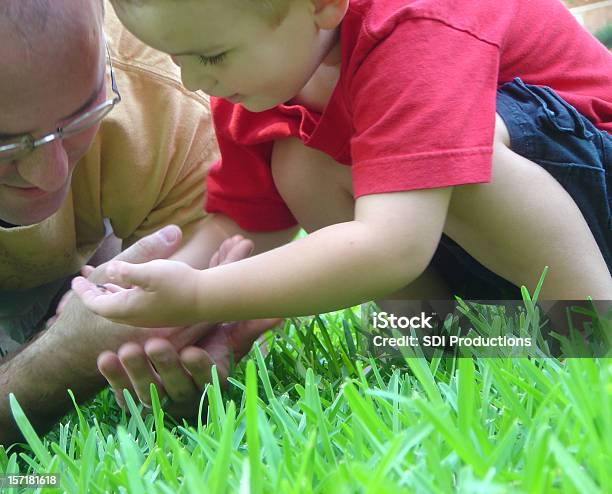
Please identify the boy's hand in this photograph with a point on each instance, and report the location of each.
(179, 376)
(153, 294)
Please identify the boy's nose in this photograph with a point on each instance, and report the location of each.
(195, 81)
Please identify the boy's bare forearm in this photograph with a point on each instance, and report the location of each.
(388, 245)
(336, 267)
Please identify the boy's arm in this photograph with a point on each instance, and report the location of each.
(390, 242)
(388, 245)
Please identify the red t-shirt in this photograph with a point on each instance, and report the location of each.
(414, 107)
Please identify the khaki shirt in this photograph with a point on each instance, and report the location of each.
(145, 169)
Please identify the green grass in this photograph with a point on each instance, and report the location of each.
(605, 35)
(314, 414)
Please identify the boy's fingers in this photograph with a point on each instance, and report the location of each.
(126, 275)
(240, 250)
(214, 260)
(113, 288)
(87, 291)
(226, 246)
(98, 299)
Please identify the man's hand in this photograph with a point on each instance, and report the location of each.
(180, 376)
(153, 294)
(74, 342)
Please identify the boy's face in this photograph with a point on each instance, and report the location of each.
(230, 52)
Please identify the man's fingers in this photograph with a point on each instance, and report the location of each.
(63, 302)
(140, 372)
(199, 364)
(159, 245)
(178, 384)
(112, 369)
(60, 307)
(51, 321)
(241, 335)
(87, 270)
(190, 334)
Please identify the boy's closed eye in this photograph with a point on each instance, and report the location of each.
(214, 60)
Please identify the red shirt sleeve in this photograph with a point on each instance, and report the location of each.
(423, 104)
(240, 184)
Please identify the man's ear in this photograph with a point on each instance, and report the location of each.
(328, 14)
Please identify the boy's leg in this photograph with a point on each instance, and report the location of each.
(547, 204)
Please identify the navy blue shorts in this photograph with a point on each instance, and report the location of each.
(548, 131)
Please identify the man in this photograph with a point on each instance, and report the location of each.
(75, 187)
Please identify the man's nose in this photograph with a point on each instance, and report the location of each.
(47, 167)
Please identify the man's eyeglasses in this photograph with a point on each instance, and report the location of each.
(26, 144)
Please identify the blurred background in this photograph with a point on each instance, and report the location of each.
(596, 16)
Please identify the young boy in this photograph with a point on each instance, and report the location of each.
(373, 124)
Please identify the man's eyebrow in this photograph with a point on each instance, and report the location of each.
(80, 109)
(90, 100)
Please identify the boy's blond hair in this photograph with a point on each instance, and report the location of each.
(272, 10)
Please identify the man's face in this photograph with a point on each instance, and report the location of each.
(231, 53)
(43, 86)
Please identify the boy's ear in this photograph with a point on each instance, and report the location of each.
(328, 14)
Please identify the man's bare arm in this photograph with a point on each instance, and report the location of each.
(40, 373)
(65, 355)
